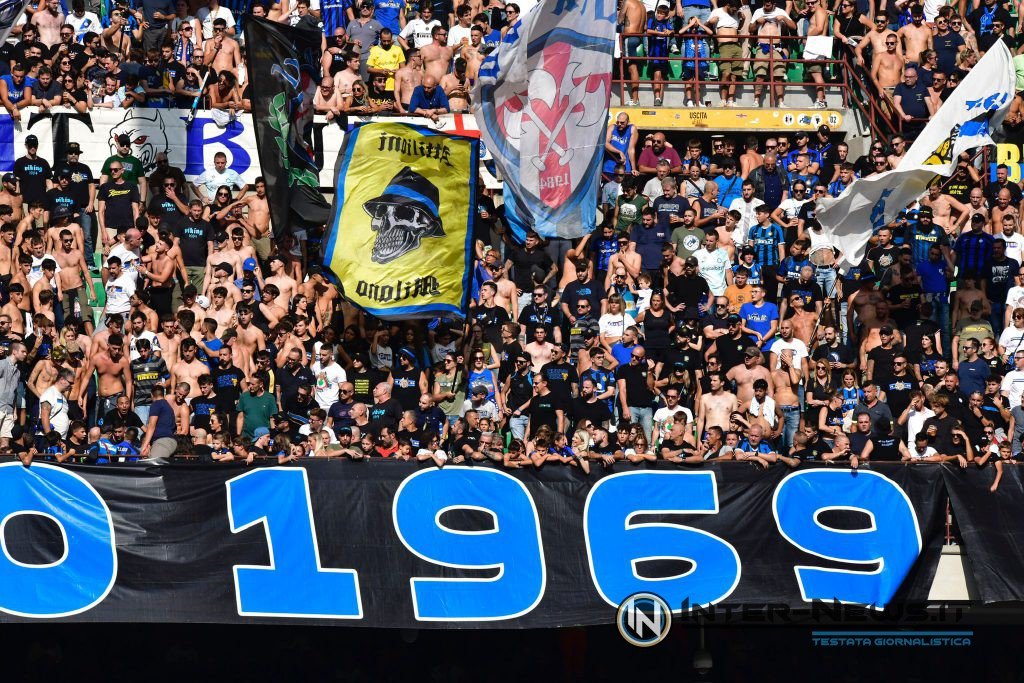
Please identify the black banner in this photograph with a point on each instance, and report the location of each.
(284, 68)
(991, 533)
(390, 544)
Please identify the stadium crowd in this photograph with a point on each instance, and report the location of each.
(706, 318)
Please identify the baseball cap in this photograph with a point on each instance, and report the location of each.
(977, 218)
(801, 134)
(733, 318)
(31, 141)
(64, 173)
(9, 178)
(225, 266)
(924, 211)
(250, 265)
(260, 431)
(74, 148)
(751, 352)
(691, 261)
(523, 355)
(123, 140)
(886, 329)
(479, 390)
(824, 130)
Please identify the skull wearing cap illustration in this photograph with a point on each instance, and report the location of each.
(404, 214)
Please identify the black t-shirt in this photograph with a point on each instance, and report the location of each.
(119, 198)
(364, 381)
(883, 258)
(288, 383)
(527, 267)
(597, 412)
(905, 293)
(491, 320)
(129, 420)
(637, 392)
(81, 178)
(520, 390)
(809, 291)
(592, 291)
(561, 377)
(837, 354)
(914, 332)
(32, 175)
(883, 361)
(885, 449)
(543, 411)
(193, 237)
(161, 205)
(897, 392)
(227, 383)
(57, 197)
(730, 350)
(534, 316)
(386, 414)
(691, 291)
(203, 407)
(405, 388)
(816, 449)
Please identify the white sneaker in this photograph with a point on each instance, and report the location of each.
(781, 104)
(732, 103)
(657, 101)
(820, 104)
(631, 103)
(689, 103)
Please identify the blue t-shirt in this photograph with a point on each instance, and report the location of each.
(387, 11)
(165, 423)
(759, 319)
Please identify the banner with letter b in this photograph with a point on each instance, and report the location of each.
(400, 236)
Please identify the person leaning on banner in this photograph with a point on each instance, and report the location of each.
(428, 100)
(164, 416)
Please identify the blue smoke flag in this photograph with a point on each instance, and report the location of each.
(541, 103)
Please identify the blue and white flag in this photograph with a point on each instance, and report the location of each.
(541, 103)
(976, 107)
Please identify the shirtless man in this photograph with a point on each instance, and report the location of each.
(540, 348)
(114, 376)
(915, 37)
(785, 381)
(188, 368)
(802, 319)
(44, 374)
(862, 302)
(1002, 208)
(344, 79)
(168, 339)
(768, 21)
(49, 21)
(437, 56)
(966, 294)
(239, 246)
(456, 87)
(250, 339)
(716, 406)
(60, 220)
(222, 52)
(285, 284)
(887, 66)
(324, 294)
(472, 54)
(9, 197)
(8, 254)
(259, 218)
(288, 346)
(139, 305)
(625, 258)
(976, 203)
(633, 17)
(407, 78)
(76, 288)
(222, 278)
(942, 206)
(876, 38)
(222, 310)
(745, 375)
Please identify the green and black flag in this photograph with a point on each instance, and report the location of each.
(284, 69)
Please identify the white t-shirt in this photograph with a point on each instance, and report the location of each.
(383, 359)
(133, 352)
(130, 260)
(920, 455)
(748, 213)
(1013, 386)
(60, 420)
(207, 18)
(118, 293)
(487, 409)
(1015, 297)
(1011, 339)
(773, 17)
(765, 410)
(82, 25)
(799, 351)
(328, 381)
(725, 20)
(664, 414)
(1014, 246)
(419, 31)
(791, 207)
(456, 33)
(211, 179)
(36, 274)
(610, 192)
(613, 324)
(712, 266)
(915, 421)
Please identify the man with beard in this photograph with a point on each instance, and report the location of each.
(254, 407)
(165, 416)
(227, 379)
(587, 406)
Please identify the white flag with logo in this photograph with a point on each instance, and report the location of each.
(541, 103)
(965, 120)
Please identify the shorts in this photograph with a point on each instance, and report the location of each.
(762, 59)
(656, 65)
(6, 423)
(731, 51)
(687, 74)
(813, 67)
(632, 46)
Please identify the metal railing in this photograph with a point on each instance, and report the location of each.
(852, 86)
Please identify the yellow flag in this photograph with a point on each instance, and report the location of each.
(400, 237)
